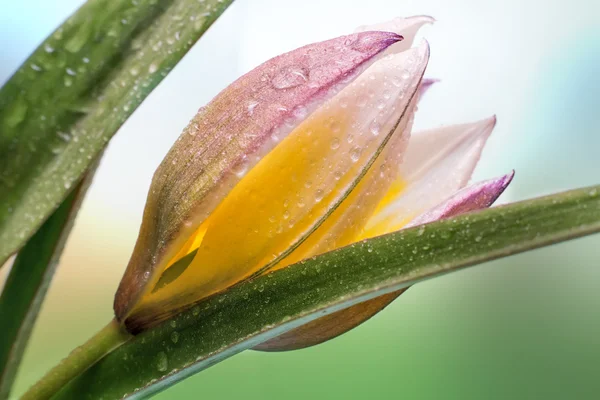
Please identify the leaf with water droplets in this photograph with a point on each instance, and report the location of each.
(260, 309)
(28, 282)
(53, 120)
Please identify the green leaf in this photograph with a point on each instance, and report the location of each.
(59, 110)
(260, 309)
(28, 282)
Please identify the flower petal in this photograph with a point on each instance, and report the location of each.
(474, 197)
(298, 185)
(347, 221)
(230, 135)
(438, 163)
(407, 27)
(478, 196)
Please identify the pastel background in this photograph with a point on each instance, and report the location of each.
(527, 327)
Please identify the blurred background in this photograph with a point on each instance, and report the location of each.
(526, 327)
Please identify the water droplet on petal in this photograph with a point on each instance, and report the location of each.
(350, 39)
(319, 194)
(375, 128)
(335, 144)
(289, 77)
(396, 81)
(355, 154)
(240, 169)
(251, 106)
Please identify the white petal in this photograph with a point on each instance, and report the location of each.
(438, 163)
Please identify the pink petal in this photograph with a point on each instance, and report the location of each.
(407, 27)
(474, 197)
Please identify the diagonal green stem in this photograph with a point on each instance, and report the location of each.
(107, 339)
(257, 310)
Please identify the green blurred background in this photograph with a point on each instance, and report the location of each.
(527, 327)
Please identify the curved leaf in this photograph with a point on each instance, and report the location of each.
(59, 110)
(29, 279)
(258, 310)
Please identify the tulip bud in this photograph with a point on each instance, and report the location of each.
(226, 138)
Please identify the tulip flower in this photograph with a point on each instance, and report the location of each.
(310, 151)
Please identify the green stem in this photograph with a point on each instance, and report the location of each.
(108, 338)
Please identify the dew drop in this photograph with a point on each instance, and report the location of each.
(153, 68)
(334, 126)
(335, 143)
(251, 106)
(361, 101)
(174, 337)
(240, 169)
(396, 81)
(350, 39)
(375, 128)
(300, 112)
(355, 154)
(289, 77)
(362, 43)
(162, 362)
(319, 194)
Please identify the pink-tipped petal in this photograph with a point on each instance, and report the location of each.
(474, 197)
(228, 137)
(407, 27)
(426, 84)
(438, 163)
